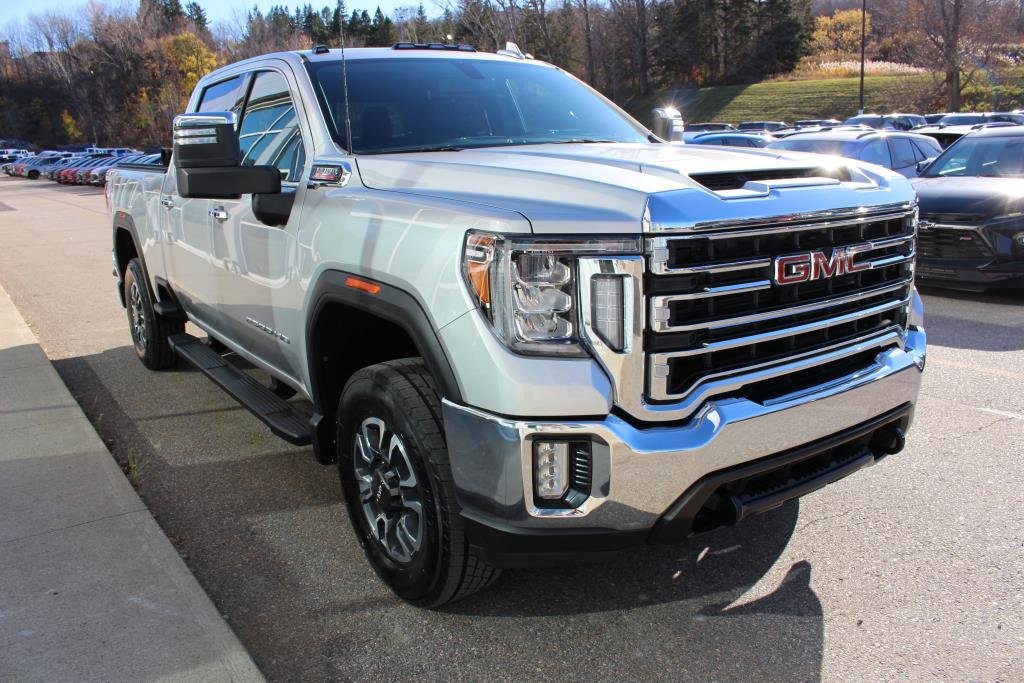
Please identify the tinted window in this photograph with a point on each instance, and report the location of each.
(269, 133)
(400, 104)
(902, 153)
(962, 119)
(928, 148)
(224, 96)
(876, 152)
(835, 147)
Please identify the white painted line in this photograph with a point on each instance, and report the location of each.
(1001, 413)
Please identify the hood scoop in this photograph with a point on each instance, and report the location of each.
(760, 182)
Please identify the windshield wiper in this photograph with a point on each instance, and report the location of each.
(577, 141)
(439, 148)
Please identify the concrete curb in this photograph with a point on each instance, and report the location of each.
(90, 587)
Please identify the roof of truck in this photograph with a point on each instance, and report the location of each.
(397, 51)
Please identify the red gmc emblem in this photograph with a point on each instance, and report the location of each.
(815, 265)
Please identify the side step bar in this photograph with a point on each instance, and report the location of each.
(275, 412)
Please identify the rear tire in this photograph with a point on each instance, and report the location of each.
(150, 331)
(398, 487)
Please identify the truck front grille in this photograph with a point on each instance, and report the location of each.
(714, 309)
(951, 243)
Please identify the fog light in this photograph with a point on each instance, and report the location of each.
(607, 310)
(1019, 239)
(550, 469)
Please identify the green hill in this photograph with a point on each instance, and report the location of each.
(827, 98)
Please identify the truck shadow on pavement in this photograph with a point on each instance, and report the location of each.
(262, 527)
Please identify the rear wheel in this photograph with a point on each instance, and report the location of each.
(398, 485)
(150, 331)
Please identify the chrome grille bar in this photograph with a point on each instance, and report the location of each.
(658, 247)
(660, 311)
(711, 347)
(726, 381)
(659, 303)
(722, 290)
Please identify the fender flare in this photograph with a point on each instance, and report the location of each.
(170, 307)
(123, 221)
(391, 304)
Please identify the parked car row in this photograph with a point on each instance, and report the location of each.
(67, 168)
(894, 122)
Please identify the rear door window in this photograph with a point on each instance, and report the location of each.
(876, 152)
(928, 150)
(902, 152)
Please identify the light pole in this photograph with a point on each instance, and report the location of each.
(863, 40)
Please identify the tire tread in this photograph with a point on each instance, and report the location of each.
(466, 572)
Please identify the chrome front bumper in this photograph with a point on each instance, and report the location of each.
(639, 472)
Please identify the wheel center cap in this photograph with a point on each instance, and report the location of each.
(386, 491)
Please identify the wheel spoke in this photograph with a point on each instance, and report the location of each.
(365, 450)
(412, 502)
(405, 538)
(365, 486)
(380, 524)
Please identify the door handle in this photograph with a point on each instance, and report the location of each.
(167, 201)
(218, 213)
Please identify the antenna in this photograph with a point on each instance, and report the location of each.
(344, 87)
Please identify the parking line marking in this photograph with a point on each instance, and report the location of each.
(1001, 413)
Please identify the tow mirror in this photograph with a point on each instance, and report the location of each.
(207, 159)
(206, 140)
(668, 124)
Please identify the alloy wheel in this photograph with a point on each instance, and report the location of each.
(390, 494)
(137, 315)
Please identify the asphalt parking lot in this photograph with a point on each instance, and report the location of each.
(913, 569)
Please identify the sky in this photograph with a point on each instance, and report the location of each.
(216, 10)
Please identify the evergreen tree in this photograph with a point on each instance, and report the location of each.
(197, 15)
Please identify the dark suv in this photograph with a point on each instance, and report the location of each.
(971, 232)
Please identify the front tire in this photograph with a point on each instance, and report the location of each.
(150, 331)
(398, 487)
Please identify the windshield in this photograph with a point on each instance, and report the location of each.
(408, 105)
(989, 157)
(835, 147)
(873, 121)
(962, 119)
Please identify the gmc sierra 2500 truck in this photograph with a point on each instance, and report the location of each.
(526, 329)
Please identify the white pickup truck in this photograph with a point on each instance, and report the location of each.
(526, 329)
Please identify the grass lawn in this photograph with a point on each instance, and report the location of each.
(791, 100)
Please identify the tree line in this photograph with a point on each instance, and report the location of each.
(113, 74)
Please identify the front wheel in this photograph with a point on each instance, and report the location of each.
(398, 486)
(150, 331)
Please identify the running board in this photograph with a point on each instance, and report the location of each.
(275, 412)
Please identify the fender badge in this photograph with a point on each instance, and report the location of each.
(333, 174)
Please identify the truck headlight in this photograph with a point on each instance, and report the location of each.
(527, 287)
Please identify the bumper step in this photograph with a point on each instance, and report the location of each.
(276, 413)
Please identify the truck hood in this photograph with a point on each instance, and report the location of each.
(969, 199)
(592, 188)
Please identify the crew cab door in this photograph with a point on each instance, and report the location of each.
(254, 237)
(186, 223)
